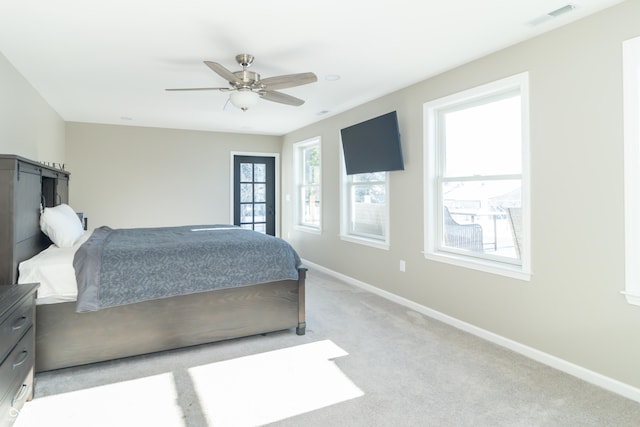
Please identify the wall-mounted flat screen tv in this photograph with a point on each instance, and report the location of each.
(373, 145)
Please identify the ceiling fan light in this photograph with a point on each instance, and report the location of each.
(243, 99)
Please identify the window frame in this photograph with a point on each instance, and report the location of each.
(631, 108)
(346, 183)
(434, 163)
(299, 163)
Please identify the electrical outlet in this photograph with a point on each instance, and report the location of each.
(403, 266)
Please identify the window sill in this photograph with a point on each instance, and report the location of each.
(632, 297)
(501, 269)
(367, 242)
(310, 230)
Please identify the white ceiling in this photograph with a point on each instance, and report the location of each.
(110, 61)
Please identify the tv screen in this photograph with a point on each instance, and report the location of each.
(373, 145)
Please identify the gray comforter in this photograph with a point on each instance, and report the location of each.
(123, 266)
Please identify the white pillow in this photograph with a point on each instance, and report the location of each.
(62, 225)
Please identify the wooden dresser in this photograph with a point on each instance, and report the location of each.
(17, 349)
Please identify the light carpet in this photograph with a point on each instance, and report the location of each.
(365, 361)
(241, 392)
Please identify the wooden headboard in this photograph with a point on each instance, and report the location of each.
(25, 186)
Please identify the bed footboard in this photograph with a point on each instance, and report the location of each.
(65, 338)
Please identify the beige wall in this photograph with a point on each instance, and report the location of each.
(125, 176)
(572, 308)
(29, 127)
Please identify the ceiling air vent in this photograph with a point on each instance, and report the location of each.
(553, 14)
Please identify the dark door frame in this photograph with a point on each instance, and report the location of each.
(276, 157)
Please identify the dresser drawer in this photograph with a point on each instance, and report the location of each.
(17, 366)
(14, 325)
(13, 402)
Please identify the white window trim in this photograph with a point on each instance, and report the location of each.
(297, 147)
(431, 190)
(631, 93)
(345, 211)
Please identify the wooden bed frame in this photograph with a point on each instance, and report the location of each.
(65, 338)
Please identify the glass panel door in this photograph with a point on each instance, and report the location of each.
(254, 193)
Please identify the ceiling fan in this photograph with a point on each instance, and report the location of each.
(246, 87)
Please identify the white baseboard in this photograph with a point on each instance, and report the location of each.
(584, 374)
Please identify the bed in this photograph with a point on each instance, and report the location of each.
(69, 333)
(68, 337)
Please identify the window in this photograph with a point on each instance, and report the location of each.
(476, 189)
(365, 209)
(308, 182)
(631, 81)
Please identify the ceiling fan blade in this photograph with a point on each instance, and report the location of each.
(289, 80)
(282, 98)
(222, 89)
(222, 72)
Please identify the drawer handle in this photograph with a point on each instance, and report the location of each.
(23, 358)
(19, 323)
(21, 394)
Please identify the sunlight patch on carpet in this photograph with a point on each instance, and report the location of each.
(149, 401)
(246, 391)
(267, 387)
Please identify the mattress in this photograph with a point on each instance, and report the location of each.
(53, 269)
(107, 267)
